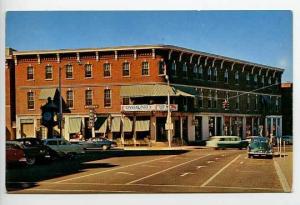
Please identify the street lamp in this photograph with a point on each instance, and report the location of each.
(169, 120)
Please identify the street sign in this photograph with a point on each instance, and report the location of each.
(169, 126)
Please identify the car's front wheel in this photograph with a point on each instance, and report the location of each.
(30, 161)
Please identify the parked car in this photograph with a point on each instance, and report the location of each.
(96, 143)
(63, 147)
(35, 149)
(223, 142)
(15, 153)
(260, 146)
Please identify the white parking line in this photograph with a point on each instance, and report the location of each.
(186, 173)
(208, 162)
(284, 184)
(109, 170)
(156, 173)
(216, 174)
(199, 167)
(126, 173)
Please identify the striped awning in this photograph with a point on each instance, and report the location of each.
(103, 128)
(152, 90)
(45, 93)
(142, 125)
(75, 124)
(127, 125)
(116, 124)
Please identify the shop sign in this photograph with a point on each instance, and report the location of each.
(148, 108)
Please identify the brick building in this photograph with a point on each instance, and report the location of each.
(128, 87)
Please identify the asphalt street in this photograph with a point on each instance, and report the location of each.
(151, 171)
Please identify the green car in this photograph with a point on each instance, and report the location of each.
(260, 146)
(223, 142)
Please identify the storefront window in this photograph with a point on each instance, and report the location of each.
(211, 126)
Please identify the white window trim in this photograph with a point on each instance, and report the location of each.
(110, 93)
(51, 72)
(88, 64)
(104, 66)
(147, 63)
(72, 71)
(126, 76)
(30, 66)
(72, 98)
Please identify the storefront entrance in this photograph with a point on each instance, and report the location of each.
(161, 133)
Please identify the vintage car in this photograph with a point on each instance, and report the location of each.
(260, 146)
(15, 153)
(35, 149)
(223, 142)
(63, 147)
(96, 143)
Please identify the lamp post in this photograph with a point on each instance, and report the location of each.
(169, 120)
(60, 118)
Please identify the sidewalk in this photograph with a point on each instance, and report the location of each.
(162, 148)
(285, 164)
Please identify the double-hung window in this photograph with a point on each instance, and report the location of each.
(88, 97)
(70, 98)
(107, 69)
(30, 73)
(69, 71)
(48, 72)
(126, 69)
(30, 100)
(88, 70)
(107, 97)
(145, 68)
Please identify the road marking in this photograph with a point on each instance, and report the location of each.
(208, 162)
(187, 173)
(166, 161)
(199, 167)
(146, 165)
(223, 155)
(284, 184)
(156, 173)
(74, 190)
(109, 170)
(245, 157)
(217, 158)
(126, 173)
(241, 162)
(216, 174)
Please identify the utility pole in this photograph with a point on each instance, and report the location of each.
(169, 125)
(60, 117)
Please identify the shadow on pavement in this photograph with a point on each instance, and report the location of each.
(23, 177)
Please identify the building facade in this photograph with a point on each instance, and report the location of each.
(287, 108)
(126, 90)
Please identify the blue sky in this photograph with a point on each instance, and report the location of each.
(263, 37)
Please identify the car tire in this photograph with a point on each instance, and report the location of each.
(104, 147)
(30, 161)
(250, 156)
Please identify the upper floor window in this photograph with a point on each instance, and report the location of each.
(263, 80)
(145, 68)
(107, 69)
(200, 72)
(48, 72)
(70, 98)
(248, 78)
(200, 100)
(215, 72)
(209, 73)
(69, 71)
(237, 103)
(195, 69)
(277, 104)
(226, 76)
(88, 97)
(269, 81)
(215, 102)
(236, 77)
(30, 100)
(174, 68)
(29, 73)
(209, 100)
(255, 79)
(107, 97)
(276, 81)
(126, 69)
(126, 101)
(161, 67)
(88, 70)
(184, 70)
(248, 102)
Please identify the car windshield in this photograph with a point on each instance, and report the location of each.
(260, 144)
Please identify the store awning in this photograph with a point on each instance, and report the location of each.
(115, 124)
(75, 124)
(142, 125)
(99, 122)
(127, 125)
(154, 90)
(103, 128)
(45, 93)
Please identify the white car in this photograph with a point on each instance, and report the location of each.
(63, 147)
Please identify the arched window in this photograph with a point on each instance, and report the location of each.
(215, 74)
(174, 69)
(184, 70)
(255, 79)
(236, 77)
(209, 99)
(209, 73)
(226, 76)
(200, 71)
(269, 81)
(237, 104)
(215, 102)
(248, 78)
(263, 79)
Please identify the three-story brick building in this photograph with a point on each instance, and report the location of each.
(128, 88)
